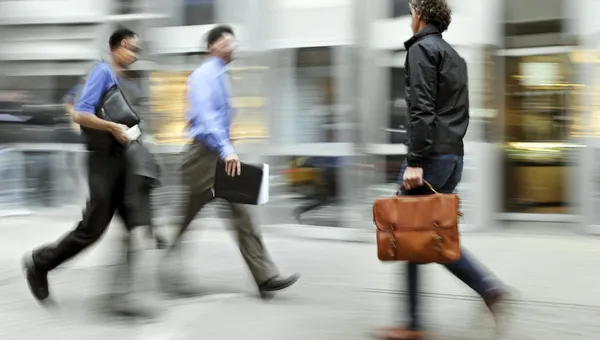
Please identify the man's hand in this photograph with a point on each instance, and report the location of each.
(233, 167)
(119, 132)
(413, 178)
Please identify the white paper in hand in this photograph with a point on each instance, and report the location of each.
(133, 133)
(263, 193)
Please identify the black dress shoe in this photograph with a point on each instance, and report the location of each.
(278, 283)
(36, 279)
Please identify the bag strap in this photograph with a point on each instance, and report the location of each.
(429, 186)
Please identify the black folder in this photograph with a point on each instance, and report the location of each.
(250, 187)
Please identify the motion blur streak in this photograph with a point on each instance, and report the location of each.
(319, 94)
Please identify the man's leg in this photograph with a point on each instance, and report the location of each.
(259, 261)
(173, 280)
(198, 171)
(136, 217)
(466, 270)
(192, 206)
(481, 281)
(96, 217)
(412, 276)
(317, 202)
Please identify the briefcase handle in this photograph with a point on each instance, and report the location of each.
(429, 186)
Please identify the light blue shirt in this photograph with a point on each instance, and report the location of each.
(209, 112)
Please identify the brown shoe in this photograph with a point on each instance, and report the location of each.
(400, 334)
(496, 302)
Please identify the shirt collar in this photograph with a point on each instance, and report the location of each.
(427, 30)
(217, 61)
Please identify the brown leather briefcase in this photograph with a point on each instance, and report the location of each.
(420, 229)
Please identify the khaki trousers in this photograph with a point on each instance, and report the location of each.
(198, 170)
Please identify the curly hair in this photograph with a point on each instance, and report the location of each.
(434, 12)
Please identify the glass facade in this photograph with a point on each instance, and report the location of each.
(331, 119)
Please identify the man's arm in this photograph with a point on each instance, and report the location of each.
(85, 109)
(203, 112)
(423, 92)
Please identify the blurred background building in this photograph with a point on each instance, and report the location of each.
(320, 84)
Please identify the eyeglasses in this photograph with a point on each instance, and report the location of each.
(132, 48)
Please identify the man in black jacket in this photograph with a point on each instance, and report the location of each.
(438, 105)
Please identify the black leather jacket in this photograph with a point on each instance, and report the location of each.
(437, 97)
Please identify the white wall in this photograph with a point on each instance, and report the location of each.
(52, 11)
(185, 39)
(49, 50)
(291, 25)
(306, 23)
(585, 17)
(49, 42)
(47, 68)
(474, 22)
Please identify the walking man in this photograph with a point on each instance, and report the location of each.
(438, 103)
(106, 178)
(208, 124)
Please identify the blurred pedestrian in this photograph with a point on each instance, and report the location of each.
(438, 104)
(208, 123)
(106, 178)
(326, 184)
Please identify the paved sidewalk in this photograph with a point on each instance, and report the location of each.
(345, 292)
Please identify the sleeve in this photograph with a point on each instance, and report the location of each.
(93, 90)
(423, 75)
(203, 113)
(69, 97)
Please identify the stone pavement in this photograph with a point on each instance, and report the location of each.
(345, 292)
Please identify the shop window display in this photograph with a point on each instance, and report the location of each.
(539, 120)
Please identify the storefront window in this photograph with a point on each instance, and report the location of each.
(491, 102)
(538, 124)
(586, 63)
(169, 104)
(315, 96)
(199, 12)
(400, 8)
(398, 119)
(125, 7)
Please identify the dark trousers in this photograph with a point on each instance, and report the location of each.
(327, 192)
(443, 172)
(106, 177)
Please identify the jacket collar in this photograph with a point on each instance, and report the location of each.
(427, 30)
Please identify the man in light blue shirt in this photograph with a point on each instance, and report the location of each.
(208, 124)
(209, 113)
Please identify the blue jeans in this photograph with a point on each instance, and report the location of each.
(443, 172)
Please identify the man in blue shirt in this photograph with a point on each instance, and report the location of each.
(106, 177)
(208, 124)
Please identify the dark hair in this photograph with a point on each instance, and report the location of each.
(434, 12)
(119, 35)
(217, 33)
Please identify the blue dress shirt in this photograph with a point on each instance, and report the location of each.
(209, 112)
(100, 80)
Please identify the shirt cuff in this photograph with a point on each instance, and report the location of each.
(227, 150)
(414, 162)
